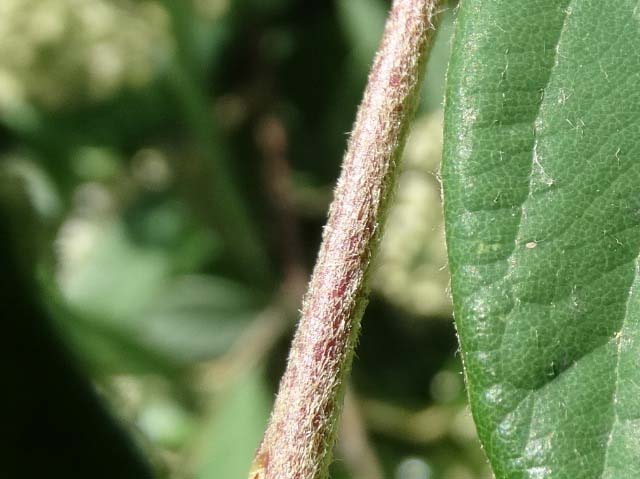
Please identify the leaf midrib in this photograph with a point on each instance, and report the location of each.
(616, 390)
(518, 239)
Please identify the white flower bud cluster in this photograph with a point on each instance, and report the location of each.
(411, 265)
(63, 53)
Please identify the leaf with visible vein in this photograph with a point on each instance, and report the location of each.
(542, 203)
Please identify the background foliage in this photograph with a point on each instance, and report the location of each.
(166, 167)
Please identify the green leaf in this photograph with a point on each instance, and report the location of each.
(129, 308)
(363, 22)
(198, 317)
(106, 274)
(232, 435)
(542, 207)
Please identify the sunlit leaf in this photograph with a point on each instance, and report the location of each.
(542, 193)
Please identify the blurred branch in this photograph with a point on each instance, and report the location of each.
(209, 180)
(301, 431)
(276, 319)
(213, 189)
(271, 139)
(249, 349)
(353, 443)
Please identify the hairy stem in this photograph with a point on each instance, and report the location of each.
(301, 431)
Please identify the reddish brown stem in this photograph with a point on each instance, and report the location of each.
(301, 431)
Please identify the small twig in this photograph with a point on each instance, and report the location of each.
(301, 431)
(208, 181)
(207, 173)
(271, 139)
(249, 349)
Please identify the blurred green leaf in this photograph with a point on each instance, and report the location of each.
(106, 275)
(362, 22)
(433, 87)
(38, 185)
(166, 423)
(128, 291)
(197, 317)
(230, 438)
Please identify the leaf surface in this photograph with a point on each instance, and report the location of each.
(541, 180)
(231, 436)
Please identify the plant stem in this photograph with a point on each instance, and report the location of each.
(301, 431)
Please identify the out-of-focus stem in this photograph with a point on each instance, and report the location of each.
(353, 444)
(213, 188)
(210, 184)
(271, 139)
(301, 431)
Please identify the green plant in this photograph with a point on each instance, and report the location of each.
(542, 211)
(302, 428)
(165, 171)
(541, 203)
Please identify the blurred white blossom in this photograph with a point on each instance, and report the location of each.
(61, 53)
(210, 9)
(411, 267)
